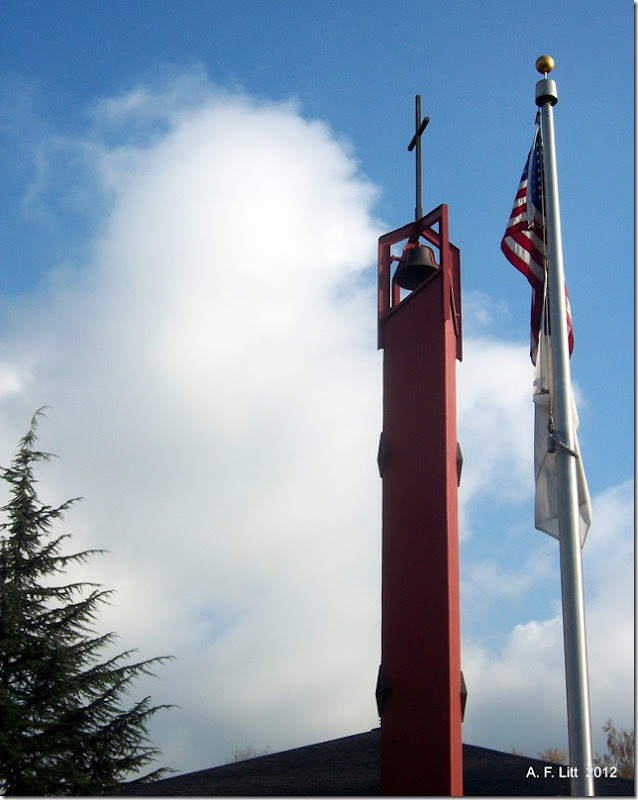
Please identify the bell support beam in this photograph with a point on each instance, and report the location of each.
(389, 292)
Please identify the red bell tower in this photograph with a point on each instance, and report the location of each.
(420, 684)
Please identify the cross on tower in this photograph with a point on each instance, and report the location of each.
(419, 126)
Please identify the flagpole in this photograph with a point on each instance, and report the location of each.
(576, 673)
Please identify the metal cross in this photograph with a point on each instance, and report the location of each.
(419, 126)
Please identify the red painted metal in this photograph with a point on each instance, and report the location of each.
(421, 746)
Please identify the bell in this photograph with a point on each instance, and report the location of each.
(418, 266)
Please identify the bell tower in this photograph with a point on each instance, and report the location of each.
(420, 686)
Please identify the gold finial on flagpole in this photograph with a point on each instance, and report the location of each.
(546, 88)
(544, 64)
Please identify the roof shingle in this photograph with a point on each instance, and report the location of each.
(350, 767)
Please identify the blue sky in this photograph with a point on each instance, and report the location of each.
(163, 167)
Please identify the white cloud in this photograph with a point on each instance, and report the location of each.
(483, 313)
(215, 396)
(517, 693)
(608, 568)
(495, 425)
(11, 379)
(487, 583)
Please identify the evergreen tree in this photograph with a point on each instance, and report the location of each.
(65, 727)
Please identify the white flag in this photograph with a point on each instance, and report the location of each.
(545, 470)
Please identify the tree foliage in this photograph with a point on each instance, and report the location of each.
(555, 755)
(247, 752)
(620, 751)
(65, 727)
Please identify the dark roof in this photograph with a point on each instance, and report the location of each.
(350, 767)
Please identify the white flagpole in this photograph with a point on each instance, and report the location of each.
(578, 717)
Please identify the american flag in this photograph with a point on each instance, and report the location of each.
(524, 241)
